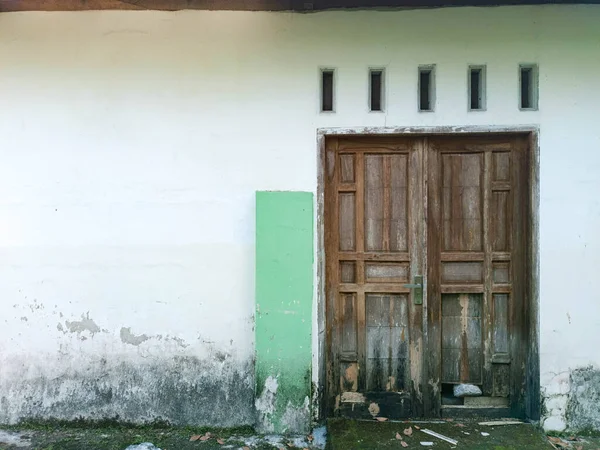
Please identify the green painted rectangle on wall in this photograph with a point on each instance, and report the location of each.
(284, 295)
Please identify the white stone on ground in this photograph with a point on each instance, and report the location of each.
(143, 446)
(300, 442)
(14, 439)
(319, 437)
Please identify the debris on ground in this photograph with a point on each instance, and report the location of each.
(440, 436)
(200, 437)
(427, 444)
(369, 434)
(483, 433)
(408, 431)
(558, 442)
(494, 423)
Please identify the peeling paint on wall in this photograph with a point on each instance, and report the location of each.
(127, 337)
(265, 405)
(570, 400)
(583, 402)
(554, 400)
(85, 324)
(297, 417)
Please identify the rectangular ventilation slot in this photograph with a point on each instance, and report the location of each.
(327, 90)
(376, 90)
(476, 88)
(528, 77)
(426, 88)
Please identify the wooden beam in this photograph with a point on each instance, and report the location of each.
(161, 5)
(256, 5)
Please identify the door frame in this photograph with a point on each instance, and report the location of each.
(532, 363)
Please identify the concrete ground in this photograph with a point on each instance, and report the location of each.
(341, 435)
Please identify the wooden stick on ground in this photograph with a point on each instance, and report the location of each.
(439, 436)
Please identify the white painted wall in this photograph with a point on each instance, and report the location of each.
(133, 143)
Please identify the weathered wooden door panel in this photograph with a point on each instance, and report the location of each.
(477, 226)
(372, 247)
(455, 210)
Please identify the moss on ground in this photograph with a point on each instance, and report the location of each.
(342, 435)
(46, 436)
(371, 435)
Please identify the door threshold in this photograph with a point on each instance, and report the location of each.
(466, 412)
(409, 420)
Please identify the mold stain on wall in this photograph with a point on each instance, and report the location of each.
(181, 390)
(583, 401)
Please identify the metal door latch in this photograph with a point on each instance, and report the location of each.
(417, 287)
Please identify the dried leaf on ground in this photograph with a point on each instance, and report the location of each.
(449, 420)
(408, 431)
(381, 419)
(398, 436)
(245, 448)
(417, 427)
(461, 425)
(309, 438)
(220, 441)
(579, 447)
(558, 442)
(404, 444)
(206, 437)
(195, 437)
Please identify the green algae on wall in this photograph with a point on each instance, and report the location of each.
(284, 294)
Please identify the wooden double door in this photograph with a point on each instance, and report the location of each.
(426, 242)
